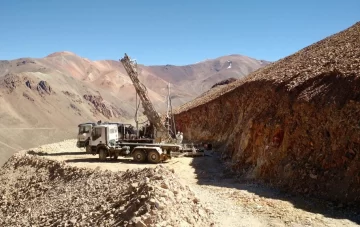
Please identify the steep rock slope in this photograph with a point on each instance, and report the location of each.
(294, 123)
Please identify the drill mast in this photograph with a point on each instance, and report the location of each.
(153, 116)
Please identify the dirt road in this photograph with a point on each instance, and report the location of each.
(233, 201)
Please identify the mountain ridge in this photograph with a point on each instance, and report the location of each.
(71, 53)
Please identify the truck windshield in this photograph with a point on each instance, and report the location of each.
(84, 129)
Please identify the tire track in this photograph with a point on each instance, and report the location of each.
(5, 144)
(31, 128)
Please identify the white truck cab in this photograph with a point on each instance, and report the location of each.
(106, 134)
(84, 134)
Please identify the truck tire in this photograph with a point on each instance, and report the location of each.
(154, 157)
(139, 156)
(115, 157)
(88, 148)
(102, 154)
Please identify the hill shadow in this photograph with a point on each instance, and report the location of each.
(211, 171)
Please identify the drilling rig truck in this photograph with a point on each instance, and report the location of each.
(104, 139)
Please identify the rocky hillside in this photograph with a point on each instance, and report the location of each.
(43, 100)
(294, 123)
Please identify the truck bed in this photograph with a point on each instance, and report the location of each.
(163, 146)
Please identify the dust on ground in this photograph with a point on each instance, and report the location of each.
(233, 201)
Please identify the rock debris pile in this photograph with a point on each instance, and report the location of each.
(35, 191)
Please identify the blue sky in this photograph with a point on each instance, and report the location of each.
(169, 32)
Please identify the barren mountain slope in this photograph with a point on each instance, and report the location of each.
(37, 109)
(294, 123)
(198, 78)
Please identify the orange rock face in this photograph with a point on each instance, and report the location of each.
(294, 123)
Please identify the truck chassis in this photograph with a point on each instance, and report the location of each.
(143, 152)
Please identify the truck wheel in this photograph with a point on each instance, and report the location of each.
(102, 154)
(115, 157)
(154, 157)
(139, 156)
(88, 149)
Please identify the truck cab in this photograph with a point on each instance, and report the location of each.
(106, 134)
(84, 134)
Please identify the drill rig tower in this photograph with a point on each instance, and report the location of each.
(162, 133)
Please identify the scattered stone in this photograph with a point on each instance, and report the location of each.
(196, 200)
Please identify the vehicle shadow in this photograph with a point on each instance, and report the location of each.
(96, 160)
(92, 158)
(55, 154)
(210, 170)
(108, 160)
